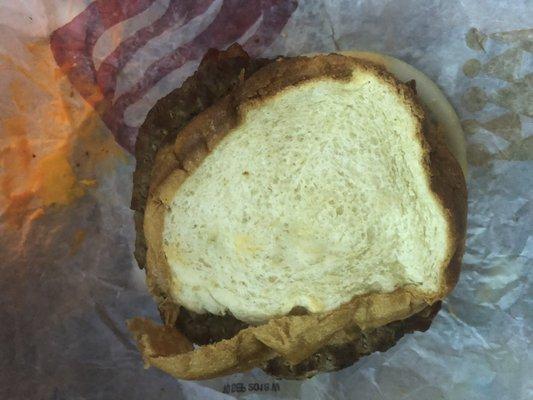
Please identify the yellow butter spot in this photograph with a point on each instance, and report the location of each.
(45, 133)
(89, 182)
(55, 180)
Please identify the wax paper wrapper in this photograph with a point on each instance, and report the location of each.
(77, 79)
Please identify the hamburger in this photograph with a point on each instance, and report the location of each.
(295, 214)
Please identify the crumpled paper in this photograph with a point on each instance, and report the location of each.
(68, 115)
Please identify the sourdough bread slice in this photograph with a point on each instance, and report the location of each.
(271, 188)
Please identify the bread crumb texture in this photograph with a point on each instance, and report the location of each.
(318, 195)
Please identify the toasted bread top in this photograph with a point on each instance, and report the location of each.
(178, 163)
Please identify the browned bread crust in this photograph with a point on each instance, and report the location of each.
(356, 344)
(363, 321)
(218, 73)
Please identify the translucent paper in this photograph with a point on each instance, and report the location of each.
(68, 116)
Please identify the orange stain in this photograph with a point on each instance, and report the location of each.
(16, 155)
(15, 125)
(77, 241)
(54, 180)
(41, 134)
(18, 205)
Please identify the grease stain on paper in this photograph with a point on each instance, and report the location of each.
(475, 39)
(505, 66)
(43, 128)
(77, 240)
(471, 68)
(475, 99)
(515, 98)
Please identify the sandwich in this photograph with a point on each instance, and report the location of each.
(295, 214)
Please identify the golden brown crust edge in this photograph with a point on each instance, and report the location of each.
(292, 337)
(449, 185)
(201, 136)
